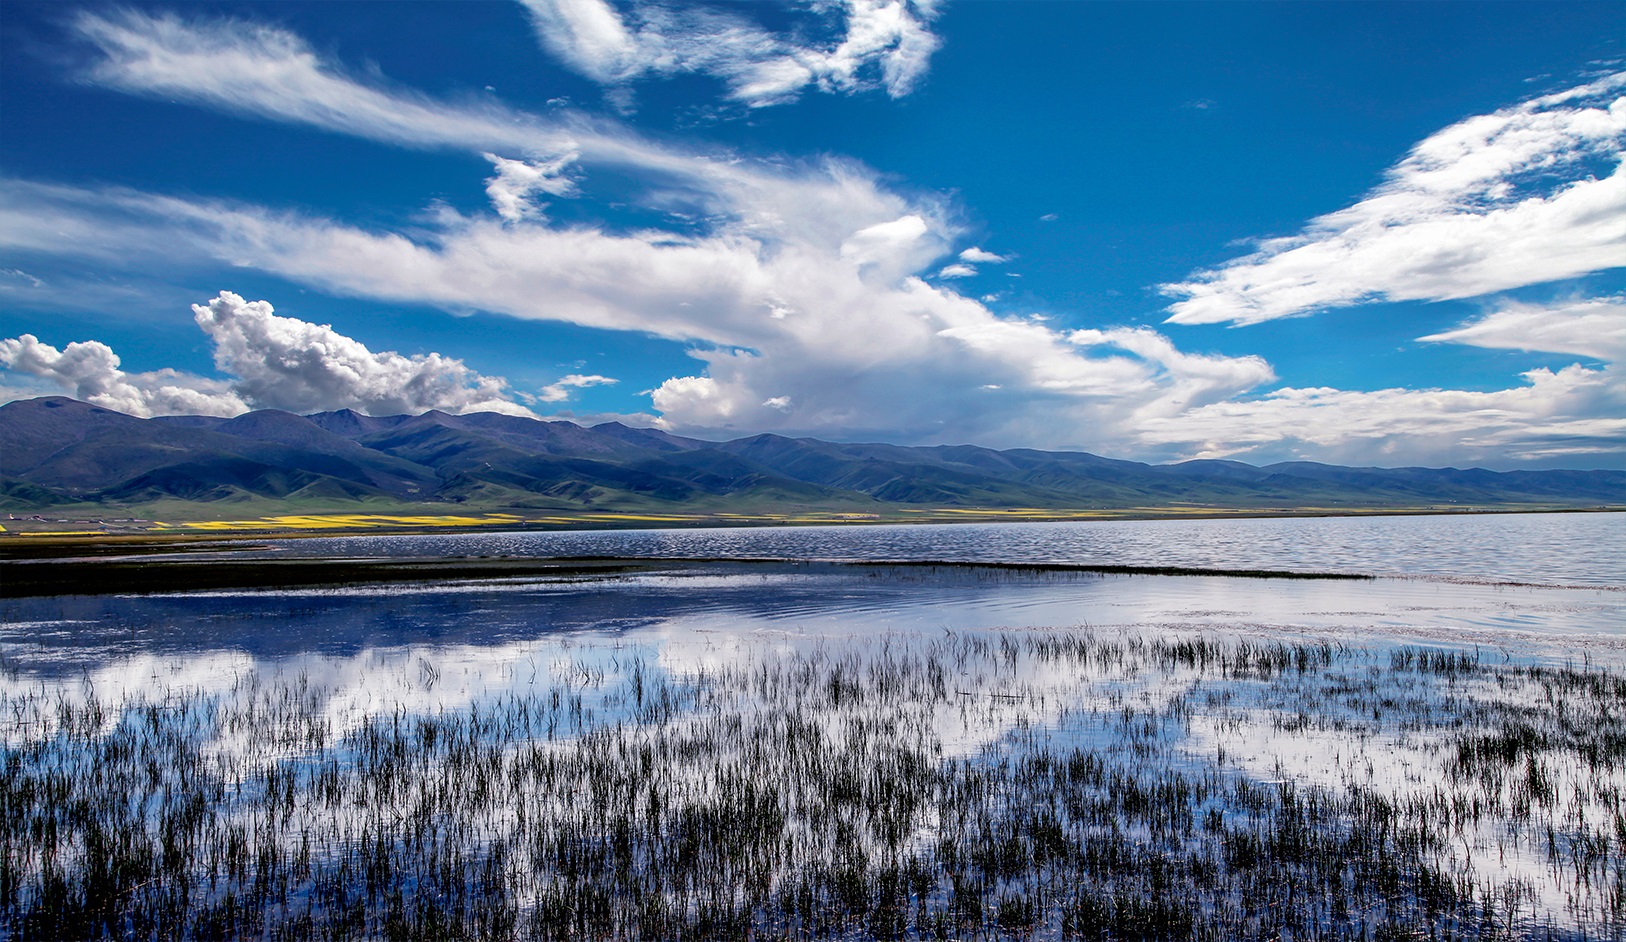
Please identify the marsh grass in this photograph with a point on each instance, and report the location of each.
(990, 785)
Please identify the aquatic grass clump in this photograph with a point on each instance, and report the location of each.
(987, 785)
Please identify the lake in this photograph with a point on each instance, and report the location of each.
(910, 751)
(1569, 548)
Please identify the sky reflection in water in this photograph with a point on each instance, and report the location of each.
(362, 655)
(1561, 549)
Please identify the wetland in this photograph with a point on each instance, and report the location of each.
(836, 733)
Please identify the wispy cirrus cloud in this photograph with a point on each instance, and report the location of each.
(802, 287)
(255, 69)
(875, 43)
(1587, 327)
(262, 71)
(1491, 203)
(560, 390)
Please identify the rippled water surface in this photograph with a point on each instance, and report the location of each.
(1575, 548)
(1566, 590)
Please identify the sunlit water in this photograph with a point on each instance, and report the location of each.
(1548, 587)
(1539, 589)
(1577, 548)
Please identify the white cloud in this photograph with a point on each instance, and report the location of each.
(89, 371)
(1188, 379)
(517, 181)
(884, 43)
(1593, 328)
(956, 270)
(246, 68)
(15, 276)
(287, 363)
(559, 391)
(272, 363)
(589, 36)
(800, 285)
(894, 246)
(862, 357)
(1492, 203)
(978, 256)
(249, 68)
(1575, 413)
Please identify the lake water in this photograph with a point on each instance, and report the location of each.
(342, 666)
(1540, 585)
(1566, 549)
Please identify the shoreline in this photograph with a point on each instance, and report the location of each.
(26, 544)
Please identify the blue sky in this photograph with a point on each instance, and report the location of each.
(1373, 233)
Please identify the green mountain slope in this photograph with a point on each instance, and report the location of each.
(60, 452)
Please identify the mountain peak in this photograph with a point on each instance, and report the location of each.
(70, 450)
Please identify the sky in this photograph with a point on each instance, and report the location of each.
(1361, 233)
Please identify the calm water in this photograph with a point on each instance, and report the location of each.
(1504, 591)
(1564, 549)
(1567, 591)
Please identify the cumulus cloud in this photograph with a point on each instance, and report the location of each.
(559, 390)
(880, 43)
(89, 371)
(1491, 203)
(978, 256)
(287, 363)
(850, 356)
(956, 270)
(801, 286)
(517, 181)
(1589, 327)
(273, 363)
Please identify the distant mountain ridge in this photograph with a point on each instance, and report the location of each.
(57, 451)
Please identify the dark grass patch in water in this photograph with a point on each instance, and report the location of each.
(990, 785)
(47, 577)
(98, 577)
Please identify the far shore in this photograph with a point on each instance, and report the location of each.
(30, 537)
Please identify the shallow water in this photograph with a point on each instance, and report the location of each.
(70, 634)
(350, 663)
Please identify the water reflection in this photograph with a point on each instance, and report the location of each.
(1041, 773)
(71, 634)
(1572, 548)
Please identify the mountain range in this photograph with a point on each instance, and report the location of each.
(57, 451)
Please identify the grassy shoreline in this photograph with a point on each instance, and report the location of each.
(20, 537)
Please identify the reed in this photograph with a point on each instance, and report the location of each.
(981, 785)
